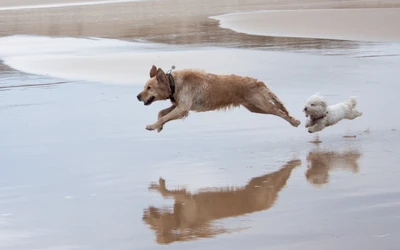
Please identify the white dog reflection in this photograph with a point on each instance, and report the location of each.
(320, 163)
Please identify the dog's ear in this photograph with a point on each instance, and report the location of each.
(153, 71)
(318, 94)
(161, 77)
(324, 105)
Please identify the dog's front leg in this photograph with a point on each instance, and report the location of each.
(163, 113)
(308, 123)
(316, 127)
(176, 113)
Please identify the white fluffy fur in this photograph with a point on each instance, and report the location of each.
(321, 115)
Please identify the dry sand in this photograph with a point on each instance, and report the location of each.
(79, 171)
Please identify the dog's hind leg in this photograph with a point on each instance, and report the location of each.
(278, 108)
(266, 102)
(163, 113)
(354, 114)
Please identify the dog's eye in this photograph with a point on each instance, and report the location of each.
(148, 87)
(312, 104)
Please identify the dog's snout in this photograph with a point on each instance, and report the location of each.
(139, 97)
(305, 109)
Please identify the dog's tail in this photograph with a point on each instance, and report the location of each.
(353, 101)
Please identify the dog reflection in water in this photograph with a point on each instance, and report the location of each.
(320, 163)
(192, 214)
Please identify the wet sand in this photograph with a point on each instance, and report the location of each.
(374, 24)
(38, 4)
(171, 21)
(79, 170)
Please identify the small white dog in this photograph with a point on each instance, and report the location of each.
(322, 115)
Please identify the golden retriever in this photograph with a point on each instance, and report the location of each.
(193, 214)
(197, 90)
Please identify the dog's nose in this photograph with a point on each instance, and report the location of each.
(305, 109)
(138, 97)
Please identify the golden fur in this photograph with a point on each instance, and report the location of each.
(197, 90)
(193, 214)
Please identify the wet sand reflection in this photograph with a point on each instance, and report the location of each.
(192, 214)
(320, 163)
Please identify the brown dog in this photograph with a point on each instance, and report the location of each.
(196, 90)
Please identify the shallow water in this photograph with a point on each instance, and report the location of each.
(77, 162)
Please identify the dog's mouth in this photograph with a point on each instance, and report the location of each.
(150, 101)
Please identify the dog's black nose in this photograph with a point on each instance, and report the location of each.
(305, 109)
(138, 97)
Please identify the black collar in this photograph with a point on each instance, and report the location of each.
(314, 119)
(171, 84)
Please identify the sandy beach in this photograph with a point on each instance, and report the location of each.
(79, 170)
(373, 24)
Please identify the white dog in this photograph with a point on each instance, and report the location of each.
(322, 115)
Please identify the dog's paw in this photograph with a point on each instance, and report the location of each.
(296, 123)
(160, 129)
(151, 127)
(310, 131)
